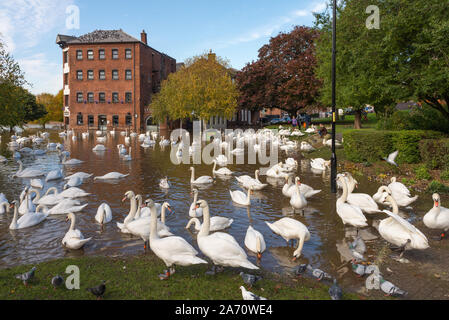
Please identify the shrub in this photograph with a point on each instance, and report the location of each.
(435, 153)
(366, 145)
(445, 175)
(437, 187)
(407, 142)
(422, 173)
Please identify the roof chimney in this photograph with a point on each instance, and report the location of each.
(143, 37)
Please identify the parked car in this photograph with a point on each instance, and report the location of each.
(286, 120)
(369, 109)
(275, 120)
(349, 111)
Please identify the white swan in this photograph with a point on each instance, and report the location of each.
(240, 197)
(222, 160)
(307, 190)
(361, 200)
(200, 180)
(48, 199)
(132, 210)
(127, 157)
(71, 161)
(54, 175)
(319, 163)
(28, 172)
(289, 188)
(249, 182)
(111, 175)
(289, 229)
(305, 146)
(438, 216)
(348, 213)
(255, 241)
(26, 204)
(195, 212)
(173, 250)
(143, 211)
(402, 199)
(221, 171)
(399, 231)
(99, 147)
(4, 206)
(220, 247)
(29, 219)
(82, 175)
(216, 223)
(67, 205)
(163, 183)
(74, 239)
(73, 182)
(104, 213)
(73, 192)
(297, 200)
(36, 183)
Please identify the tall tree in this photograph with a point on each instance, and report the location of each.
(406, 58)
(284, 75)
(201, 89)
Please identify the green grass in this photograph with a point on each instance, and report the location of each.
(136, 277)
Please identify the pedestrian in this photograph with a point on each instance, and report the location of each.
(323, 131)
(294, 122)
(307, 121)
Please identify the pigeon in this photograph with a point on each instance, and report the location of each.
(27, 276)
(335, 291)
(57, 281)
(357, 255)
(359, 269)
(247, 295)
(299, 270)
(316, 273)
(390, 289)
(358, 245)
(391, 158)
(249, 279)
(99, 290)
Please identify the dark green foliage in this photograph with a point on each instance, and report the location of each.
(407, 142)
(435, 153)
(373, 145)
(445, 175)
(367, 145)
(437, 187)
(422, 173)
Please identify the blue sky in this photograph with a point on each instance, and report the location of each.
(234, 29)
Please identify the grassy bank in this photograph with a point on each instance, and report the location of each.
(136, 277)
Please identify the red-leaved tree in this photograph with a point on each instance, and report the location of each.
(284, 75)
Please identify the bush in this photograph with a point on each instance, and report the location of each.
(435, 153)
(399, 120)
(422, 173)
(407, 142)
(445, 175)
(367, 145)
(437, 187)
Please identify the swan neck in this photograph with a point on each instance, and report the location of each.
(72, 223)
(215, 165)
(14, 219)
(163, 214)
(256, 174)
(258, 246)
(192, 175)
(153, 222)
(205, 227)
(344, 196)
(132, 210)
(394, 204)
(300, 245)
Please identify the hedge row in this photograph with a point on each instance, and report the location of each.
(435, 153)
(373, 145)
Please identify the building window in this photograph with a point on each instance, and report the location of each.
(114, 74)
(79, 54)
(128, 97)
(114, 53)
(79, 119)
(90, 97)
(128, 119)
(101, 75)
(79, 97)
(90, 75)
(90, 120)
(115, 97)
(128, 75)
(79, 75)
(101, 54)
(128, 54)
(90, 54)
(102, 97)
(115, 121)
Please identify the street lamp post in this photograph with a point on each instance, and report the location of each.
(334, 47)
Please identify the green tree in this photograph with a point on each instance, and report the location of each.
(201, 89)
(53, 105)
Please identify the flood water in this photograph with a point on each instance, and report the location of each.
(424, 277)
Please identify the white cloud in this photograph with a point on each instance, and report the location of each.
(270, 29)
(44, 75)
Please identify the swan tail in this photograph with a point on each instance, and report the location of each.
(188, 260)
(248, 265)
(312, 193)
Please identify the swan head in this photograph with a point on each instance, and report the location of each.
(128, 195)
(297, 181)
(148, 203)
(167, 206)
(201, 204)
(13, 204)
(393, 179)
(436, 199)
(191, 168)
(194, 191)
(70, 216)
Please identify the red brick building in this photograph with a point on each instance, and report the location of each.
(109, 78)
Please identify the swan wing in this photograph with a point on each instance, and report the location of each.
(405, 223)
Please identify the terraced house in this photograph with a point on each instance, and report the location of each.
(109, 78)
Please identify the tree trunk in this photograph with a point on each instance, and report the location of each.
(358, 119)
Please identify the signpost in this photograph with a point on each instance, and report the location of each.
(334, 48)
